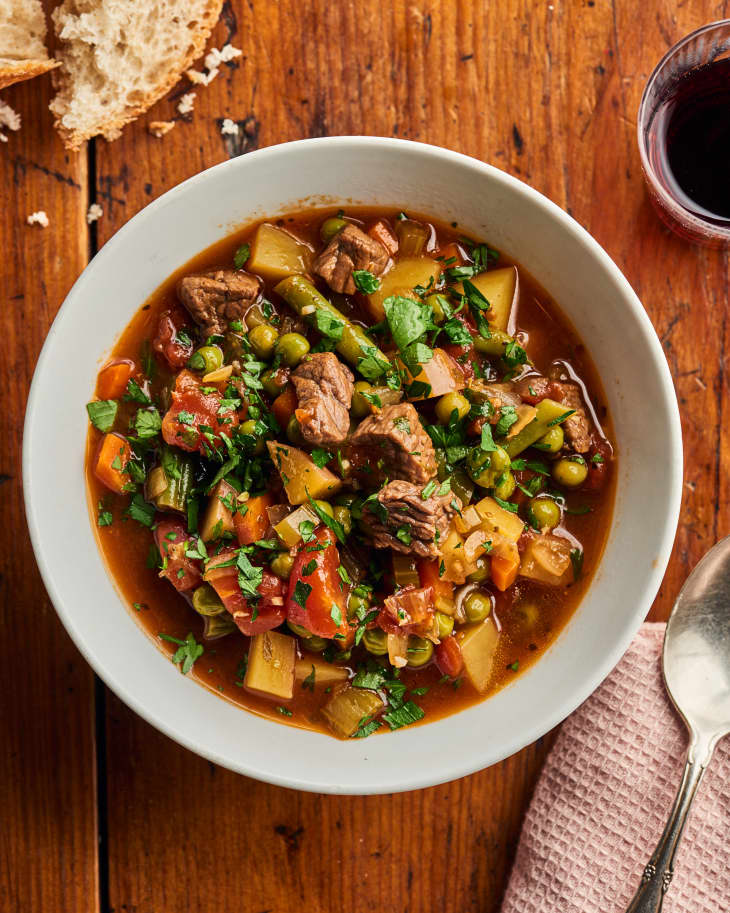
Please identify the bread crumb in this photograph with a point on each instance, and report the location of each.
(229, 127)
(95, 212)
(198, 78)
(159, 128)
(9, 119)
(38, 218)
(214, 58)
(186, 103)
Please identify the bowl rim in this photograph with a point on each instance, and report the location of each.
(456, 767)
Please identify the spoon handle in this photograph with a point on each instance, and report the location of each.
(659, 870)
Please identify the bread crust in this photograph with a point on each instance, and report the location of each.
(24, 69)
(111, 128)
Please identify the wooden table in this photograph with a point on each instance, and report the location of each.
(99, 811)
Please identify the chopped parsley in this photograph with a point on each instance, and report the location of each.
(105, 516)
(135, 394)
(337, 528)
(561, 418)
(147, 423)
(328, 325)
(241, 256)
(301, 593)
(102, 413)
(187, 653)
(576, 559)
(365, 281)
(309, 681)
(404, 715)
(507, 418)
(141, 511)
(320, 457)
(336, 614)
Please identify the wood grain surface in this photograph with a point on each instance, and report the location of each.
(547, 91)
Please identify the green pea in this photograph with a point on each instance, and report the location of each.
(552, 441)
(477, 606)
(299, 630)
(282, 564)
(419, 651)
(263, 340)
(543, 513)
(570, 472)
(449, 403)
(274, 382)
(206, 359)
(206, 601)
(481, 573)
(360, 407)
(249, 427)
(445, 624)
(345, 500)
(330, 227)
(485, 467)
(343, 656)
(357, 604)
(294, 431)
(292, 347)
(326, 507)
(344, 518)
(506, 484)
(375, 641)
(314, 644)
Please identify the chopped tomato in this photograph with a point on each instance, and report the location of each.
(173, 540)
(196, 420)
(253, 523)
(284, 405)
(317, 598)
(168, 343)
(463, 355)
(448, 657)
(598, 460)
(110, 462)
(410, 610)
(114, 377)
(251, 616)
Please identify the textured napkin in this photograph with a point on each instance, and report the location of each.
(603, 798)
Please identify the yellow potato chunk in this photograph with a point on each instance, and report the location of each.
(301, 475)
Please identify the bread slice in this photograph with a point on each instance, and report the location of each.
(119, 56)
(22, 41)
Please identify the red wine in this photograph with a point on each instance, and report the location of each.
(689, 142)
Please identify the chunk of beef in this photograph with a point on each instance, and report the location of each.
(350, 249)
(215, 299)
(324, 392)
(402, 519)
(392, 444)
(578, 427)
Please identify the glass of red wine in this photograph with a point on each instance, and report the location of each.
(684, 136)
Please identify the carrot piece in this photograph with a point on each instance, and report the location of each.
(428, 574)
(114, 377)
(284, 405)
(111, 458)
(380, 231)
(504, 570)
(253, 524)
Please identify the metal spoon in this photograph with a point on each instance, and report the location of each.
(696, 664)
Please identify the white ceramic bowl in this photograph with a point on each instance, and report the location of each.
(488, 204)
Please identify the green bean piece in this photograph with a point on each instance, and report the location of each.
(549, 415)
(462, 486)
(450, 403)
(360, 407)
(292, 347)
(178, 472)
(330, 227)
(445, 624)
(299, 630)
(419, 651)
(493, 345)
(301, 295)
(206, 601)
(206, 359)
(543, 513)
(552, 441)
(477, 606)
(375, 641)
(281, 565)
(263, 339)
(570, 472)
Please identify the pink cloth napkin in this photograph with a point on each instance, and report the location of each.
(603, 798)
